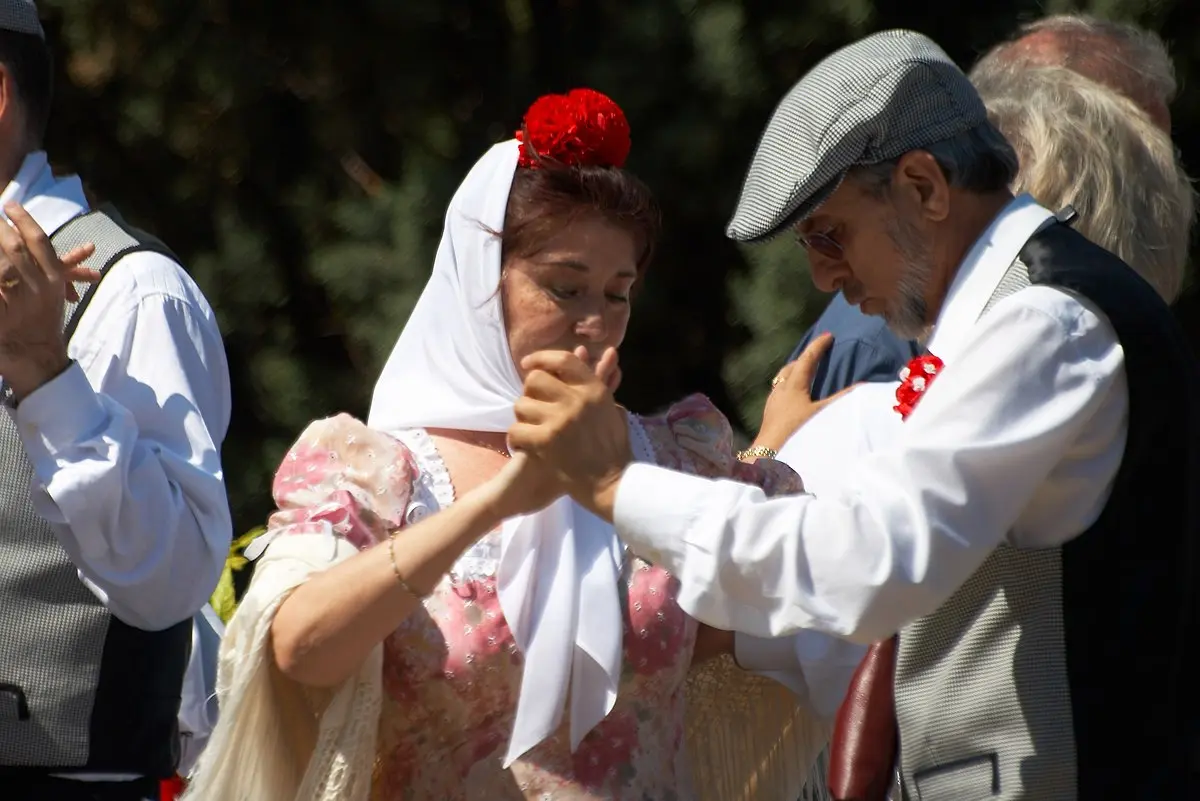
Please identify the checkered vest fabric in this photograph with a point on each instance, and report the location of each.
(58, 637)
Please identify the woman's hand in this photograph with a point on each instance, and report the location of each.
(524, 485)
(790, 404)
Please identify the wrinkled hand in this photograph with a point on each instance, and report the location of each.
(568, 420)
(35, 285)
(790, 404)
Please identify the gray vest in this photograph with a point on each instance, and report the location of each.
(990, 666)
(1067, 673)
(56, 635)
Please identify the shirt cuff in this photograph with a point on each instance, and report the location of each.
(59, 414)
(652, 529)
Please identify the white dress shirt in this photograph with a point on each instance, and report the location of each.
(198, 708)
(1018, 439)
(125, 444)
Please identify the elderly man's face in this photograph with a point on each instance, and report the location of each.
(874, 250)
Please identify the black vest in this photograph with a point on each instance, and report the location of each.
(80, 691)
(1130, 582)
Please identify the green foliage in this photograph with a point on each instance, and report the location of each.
(299, 156)
(775, 302)
(225, 596)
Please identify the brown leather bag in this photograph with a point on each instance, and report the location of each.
(862, 755)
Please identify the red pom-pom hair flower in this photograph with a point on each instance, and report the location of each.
(580, 128)
(914, 380)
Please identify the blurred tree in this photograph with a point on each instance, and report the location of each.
(300, 156)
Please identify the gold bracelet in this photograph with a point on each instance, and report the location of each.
(396, 568)
(757, 452)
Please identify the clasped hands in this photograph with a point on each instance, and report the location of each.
(572, 438)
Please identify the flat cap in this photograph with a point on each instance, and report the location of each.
(869, 102)
(20, 16)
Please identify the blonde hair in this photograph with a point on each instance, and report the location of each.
(1129, 59)
(1080, 143)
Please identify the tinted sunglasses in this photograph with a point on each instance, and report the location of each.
(824, 244)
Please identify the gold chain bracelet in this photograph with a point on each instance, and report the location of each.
(757, 452)
(396, 568)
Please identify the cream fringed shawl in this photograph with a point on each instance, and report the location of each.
(748, 739)
(277, 741)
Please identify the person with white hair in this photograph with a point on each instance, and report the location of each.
(1130, 60)
(1082, 144)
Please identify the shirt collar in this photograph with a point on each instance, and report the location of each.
(982, 270)
(49, 200)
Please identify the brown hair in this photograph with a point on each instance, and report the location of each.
(545, 199)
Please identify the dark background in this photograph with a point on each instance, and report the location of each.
(299, 155)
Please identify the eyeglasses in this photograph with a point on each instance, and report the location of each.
(822, 243)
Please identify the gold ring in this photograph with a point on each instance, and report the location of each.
(9, 283)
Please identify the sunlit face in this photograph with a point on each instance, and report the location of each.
(874, 253)
(574, 292)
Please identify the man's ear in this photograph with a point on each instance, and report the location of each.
(919, 181)
(7, 92)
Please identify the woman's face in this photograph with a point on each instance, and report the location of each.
(574, 292)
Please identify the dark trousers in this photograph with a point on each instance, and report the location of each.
(23, 787)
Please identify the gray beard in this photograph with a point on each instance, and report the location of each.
(908, 315)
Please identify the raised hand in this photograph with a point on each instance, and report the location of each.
(790, 404)
(35, 285)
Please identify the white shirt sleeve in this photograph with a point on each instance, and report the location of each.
(918, 517)
(817, 667)
(125, 445)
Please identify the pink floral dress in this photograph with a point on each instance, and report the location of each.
(452, 672)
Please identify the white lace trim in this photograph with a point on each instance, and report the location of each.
(433, 490)
(643, 450)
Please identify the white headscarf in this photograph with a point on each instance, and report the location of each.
(559, 567)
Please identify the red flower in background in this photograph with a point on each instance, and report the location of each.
(580, 128)
(914, 380)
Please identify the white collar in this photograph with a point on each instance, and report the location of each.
(982, 270)
(49, 200)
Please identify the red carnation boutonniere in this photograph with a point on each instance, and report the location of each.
(914, 380)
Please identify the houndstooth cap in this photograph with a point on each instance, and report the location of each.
(20, 16)
(871, 101)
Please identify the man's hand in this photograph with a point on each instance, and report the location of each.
(568, 419)
(790, 404)
(35, 285)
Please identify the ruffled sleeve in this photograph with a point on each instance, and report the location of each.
(344, 478)
(692, 436)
